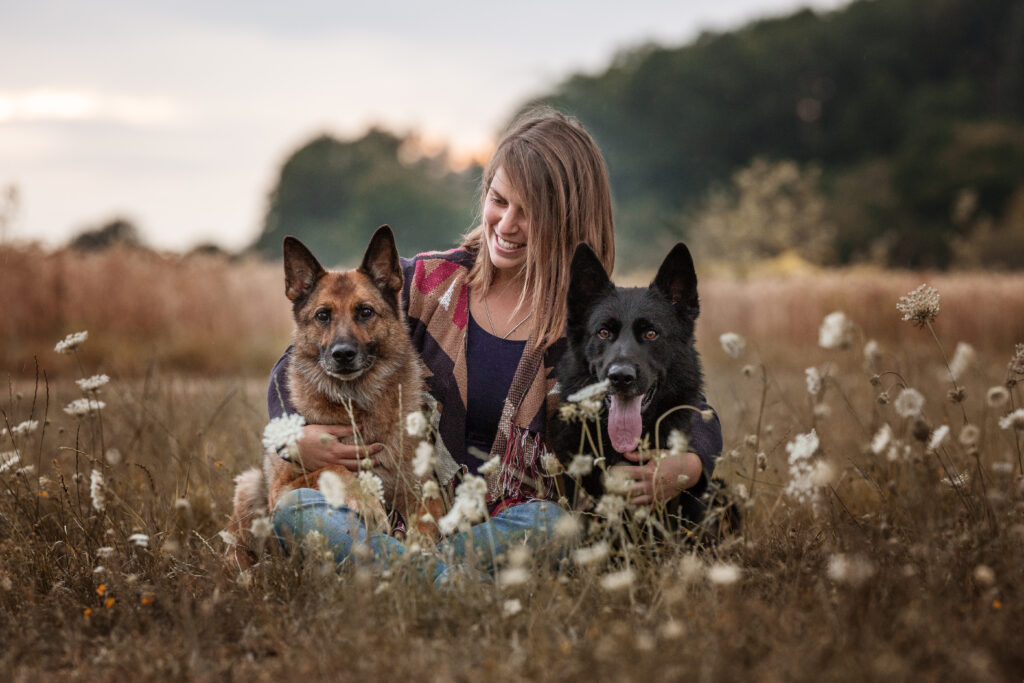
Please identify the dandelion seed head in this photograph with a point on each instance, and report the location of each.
(581, 465)
(431, 489)
(969, 436)
(733, 344)
(513, 576)
(567, 412)
(963, 358)
(519, 555)
(71, 342)
(228, 537)
(611, 507)
(141, 540)
(512, 607)
(567, 526)
(333, 488)
(872, 355)
(836, 331)
(469, 506)
(722, 574)
(1014, 421)
(416, 424)
(984, 575)
(593, 554)
(112, 456)
(92, 383)
(852, 570)
(371, 485)
(84, 406)
(283, 432)
(261, 527)
(550, 463)
(617, 581)
(96, 491)
(590, 408)
(938, 437)
(920, 306)
(617, 481)
(424, 460)
(909, 403)
(749, 370)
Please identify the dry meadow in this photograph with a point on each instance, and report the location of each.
(882, 533)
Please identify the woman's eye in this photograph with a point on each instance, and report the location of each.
(650, 335)
(323, 315)
(365, 312)
(604, 333)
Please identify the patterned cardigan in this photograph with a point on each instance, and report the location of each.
(436, 301)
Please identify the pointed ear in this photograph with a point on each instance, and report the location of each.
(677, 280)
(381, 265)
(587, 281)
(301, 269)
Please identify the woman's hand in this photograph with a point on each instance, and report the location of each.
(321, 446)
(660, 480)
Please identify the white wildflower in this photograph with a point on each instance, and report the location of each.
(1002, 467)
(984, 576)
(112, 456)
(722, 574)
(814, 382)
(99, 503)
(469, 507)
(92, 383)
(513, 576)
(26, 427)
(105, 552)
(691, 568)
(550, 463)
(510, 608)
(617, 481)
(99, 569)
(882, 439)
(141, 540)
(567, 412)
(261, 527)
(581, 465)
(26, 470)
(492, 465)
(969, 436)
(850, 569)
(416, 424)
(963, 358)
(872, 355)
(997, 397)
(733, 344)
(909, 403)
(283, 432)
(958, 479)
(594, 391)
(919, 306)
(593, 554)
(228, 537)
(1014, 420)
(590, 408)
(836, 331)
(71, 342)
(431, 489)
(84, 406)
(678, 443)
(617, 581)
(333, 488)
(801, 449)
(567, 526)
(424, 460)
(938, 436)
(611, 507)
(371, 485)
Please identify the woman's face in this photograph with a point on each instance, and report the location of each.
(507, 229)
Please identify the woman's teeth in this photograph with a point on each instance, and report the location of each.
(505, 244)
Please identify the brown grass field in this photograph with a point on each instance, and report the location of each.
(901, 565)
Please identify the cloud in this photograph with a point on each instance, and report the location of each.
(51, 104)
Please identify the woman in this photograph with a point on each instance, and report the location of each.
(488, 319)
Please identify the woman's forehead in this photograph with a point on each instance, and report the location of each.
(501, 184)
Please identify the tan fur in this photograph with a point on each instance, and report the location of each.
(378, 399)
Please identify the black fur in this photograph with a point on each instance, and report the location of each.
(642, 340)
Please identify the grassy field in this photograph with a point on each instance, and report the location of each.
(894, 561)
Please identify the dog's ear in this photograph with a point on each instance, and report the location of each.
(677, 280)
(587, 281)
(381, 265)
(301, 269)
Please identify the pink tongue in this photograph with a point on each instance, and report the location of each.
(624, 423)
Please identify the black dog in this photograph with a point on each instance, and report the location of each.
(641, 341)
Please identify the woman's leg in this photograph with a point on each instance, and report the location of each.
(301, 511)
(532, 523)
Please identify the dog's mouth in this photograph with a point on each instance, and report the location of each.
(625, 418)
(345, 374)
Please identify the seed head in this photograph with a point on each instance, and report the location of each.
(92, 383)
(283, 432)
(836, 331)
(71, 342)
(919, 306)
(909, 403)
(733, 344)
(1014, 420)
(997, 397)
(415, 424)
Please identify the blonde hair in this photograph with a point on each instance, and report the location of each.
(558, 171)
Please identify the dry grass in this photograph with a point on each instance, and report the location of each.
(941, 597)
(204, 314)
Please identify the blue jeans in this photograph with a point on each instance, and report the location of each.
(303, 510)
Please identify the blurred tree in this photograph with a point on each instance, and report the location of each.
(11, 201)
(116, 231)
(333, 194)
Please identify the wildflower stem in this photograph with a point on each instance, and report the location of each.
(952, 377)
(757, 430)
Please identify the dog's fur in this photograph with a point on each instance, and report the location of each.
(351, 360)
(642, 341)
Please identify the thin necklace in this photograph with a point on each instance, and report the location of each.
(490, 322)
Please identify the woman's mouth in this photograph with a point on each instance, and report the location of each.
(506, 245)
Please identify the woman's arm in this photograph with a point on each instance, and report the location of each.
(320, 445)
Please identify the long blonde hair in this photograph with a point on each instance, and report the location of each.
(558, 171)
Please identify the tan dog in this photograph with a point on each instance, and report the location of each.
(351, 362)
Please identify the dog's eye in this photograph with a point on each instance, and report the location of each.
(650, 335)
(323, 315)
(364, 312)
(604, 333)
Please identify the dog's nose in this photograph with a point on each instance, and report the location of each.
(344, 353)
(622, 375)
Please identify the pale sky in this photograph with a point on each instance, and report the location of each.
(178, 114)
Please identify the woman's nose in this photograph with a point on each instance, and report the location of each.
(510, 219)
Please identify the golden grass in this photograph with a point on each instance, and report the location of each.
(205, 314)
(942, 600)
